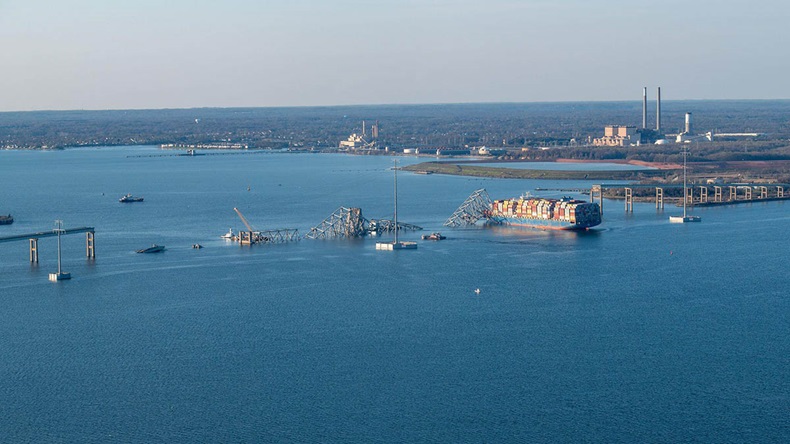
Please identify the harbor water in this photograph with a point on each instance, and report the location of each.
(636, 331)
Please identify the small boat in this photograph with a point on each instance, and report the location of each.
(130, 198)
(6, 220)
(197, 246)
(684, 219)
(433, 236)
(228, 235)
(152, 249)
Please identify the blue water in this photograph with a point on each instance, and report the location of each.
(640, 331)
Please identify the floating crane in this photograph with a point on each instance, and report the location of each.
(243, 219)
(252, 236)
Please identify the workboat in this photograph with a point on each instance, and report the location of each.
(228, 235)
(152, 249)
(129, 198)
(433, 236)
(6, 220)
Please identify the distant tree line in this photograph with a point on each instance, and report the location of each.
(509, 126)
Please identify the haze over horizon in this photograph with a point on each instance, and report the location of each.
(88, 54)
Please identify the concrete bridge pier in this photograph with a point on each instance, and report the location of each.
(34, 250)
(703, 194)
(748, 193)
(780, 191)
(717, 194)
(659, 198)
(597, 191)
(763, 192)
(90, 245)
(629, 200)
(688, 195)
(733, 193)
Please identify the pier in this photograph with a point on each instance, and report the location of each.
(90, 241)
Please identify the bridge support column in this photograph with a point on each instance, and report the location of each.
(659, 198)
(596, 190)
(90, 245)
(763, 192)
(717, 194)
(780, 191)
(748, 194)
(34, 251)
(733, 193)
(703, 194)
(688, 194)
(629, 200)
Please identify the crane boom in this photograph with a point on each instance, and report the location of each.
(243, 219)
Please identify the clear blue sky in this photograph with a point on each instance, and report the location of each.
(112, 54)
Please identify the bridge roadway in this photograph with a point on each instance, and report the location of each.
(690, 185)
(51, 233)
(596, 192)
(90, 244)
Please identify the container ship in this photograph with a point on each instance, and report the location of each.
(554, 214)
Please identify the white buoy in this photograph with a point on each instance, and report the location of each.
(477, 291)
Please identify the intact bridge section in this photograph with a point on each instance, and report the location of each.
(90, 241)
(695, 195)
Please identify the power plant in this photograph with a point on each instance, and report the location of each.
(626, 135)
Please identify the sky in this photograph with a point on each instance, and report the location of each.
(150, 54)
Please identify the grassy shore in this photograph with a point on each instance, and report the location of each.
(517, 173)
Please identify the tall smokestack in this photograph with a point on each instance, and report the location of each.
(688, 123)
(644, 107)
(658, 110)
(363, 128)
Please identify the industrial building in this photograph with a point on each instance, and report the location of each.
(615, 135)
(361, 141)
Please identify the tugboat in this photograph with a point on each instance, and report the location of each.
(433, 236)
(6, 220)
(152, 249)
(129, 198)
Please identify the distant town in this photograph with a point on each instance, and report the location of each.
(743, 137)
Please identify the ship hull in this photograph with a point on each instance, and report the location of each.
(546, 214)
(542, 224)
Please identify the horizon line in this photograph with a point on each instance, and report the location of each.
(383, 105)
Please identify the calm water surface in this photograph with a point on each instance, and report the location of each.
(639, 331)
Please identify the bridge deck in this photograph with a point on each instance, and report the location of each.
(690, 185)
(50, 233)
